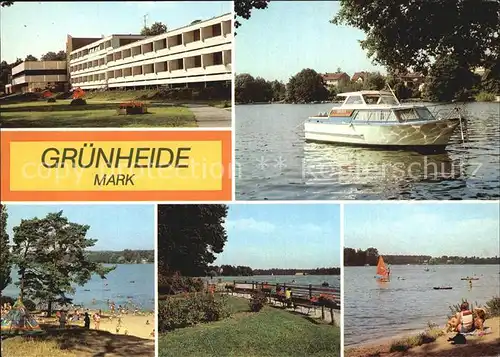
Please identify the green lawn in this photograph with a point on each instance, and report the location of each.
(270, 332)
(41, 114)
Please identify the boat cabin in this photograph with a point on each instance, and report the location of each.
(370, 107)
(369, 97)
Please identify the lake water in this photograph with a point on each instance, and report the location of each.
(375, 311)
(118, 287)
(332, 280)
(273, 162)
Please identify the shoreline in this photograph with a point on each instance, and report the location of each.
(477, 346)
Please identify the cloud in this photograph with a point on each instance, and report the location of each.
(246, 224)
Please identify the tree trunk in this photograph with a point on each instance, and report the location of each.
(21, 287)
(49, 308)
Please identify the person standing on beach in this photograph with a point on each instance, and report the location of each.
(86, 321)
(62, 319)
(97, 320)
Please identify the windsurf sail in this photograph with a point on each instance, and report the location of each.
(382, 270)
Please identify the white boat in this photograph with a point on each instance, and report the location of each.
(377, 118)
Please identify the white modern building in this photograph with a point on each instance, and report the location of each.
(193, 55)
(35, 76)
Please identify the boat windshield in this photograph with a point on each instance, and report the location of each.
(379, 99)
(387, 99)
(424, 113)
(414, 114)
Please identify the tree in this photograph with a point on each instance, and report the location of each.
(278, 90)
(306, 86)
(449, 79)
(31, 58)
(374, 81)
(189, 236)
(410, 34)
(491, 78)
(244, 88)
(263, 91)
(155, 29)
(5, 258)
(50, 256)
(243, 8)
(52, 56)
(6, 3)
(372, 256)
(6, 71)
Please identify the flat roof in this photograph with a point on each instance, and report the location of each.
(151, 37)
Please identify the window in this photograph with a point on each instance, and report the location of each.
(354, 99)
(387, 115)
(386, 99)
(371, 99)
(217, 58)
(424, 114)
(197, 61)
(407, 115)
(196, 35)
(363, 116)
(216, 30)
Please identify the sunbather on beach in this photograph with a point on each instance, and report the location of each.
(463, 321)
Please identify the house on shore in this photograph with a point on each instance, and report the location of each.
(334, 79)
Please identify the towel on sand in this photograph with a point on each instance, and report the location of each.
(486, 331)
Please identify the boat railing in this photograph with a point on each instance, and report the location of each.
(457, 112)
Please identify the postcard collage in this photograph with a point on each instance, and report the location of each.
(250, 178)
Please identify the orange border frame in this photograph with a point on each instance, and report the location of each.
(6, 137)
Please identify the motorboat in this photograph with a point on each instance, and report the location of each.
(471, 278)
(377, 118)
(443, 288)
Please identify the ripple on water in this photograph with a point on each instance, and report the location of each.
(274, 162)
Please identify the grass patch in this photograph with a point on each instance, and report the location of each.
(23, 347)
(406, 343)
(76, 342)
(222, 104)
(484, 97)
(94, 114)
(493, 307)
(270, 332)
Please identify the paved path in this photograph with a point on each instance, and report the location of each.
(210, 117)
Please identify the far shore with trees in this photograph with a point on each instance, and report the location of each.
(230, 270)
(360, 257)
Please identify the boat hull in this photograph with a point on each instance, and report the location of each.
(435, 133)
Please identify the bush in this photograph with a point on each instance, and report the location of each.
(176, 284)
(257, 301)
(484, 97)
(51, 100)
(30, 305)
(6, 300)
(78, 101)
(406, 343)
(190, 309)
(493, 306)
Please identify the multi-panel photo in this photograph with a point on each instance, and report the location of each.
(250, 178)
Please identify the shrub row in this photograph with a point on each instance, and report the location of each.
(176, 284)
(190, 309)
(192, 93)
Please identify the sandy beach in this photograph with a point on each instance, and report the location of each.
(477, 346)
(131, 325)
